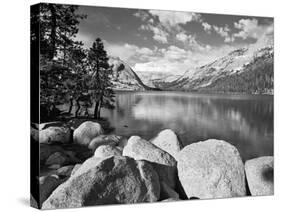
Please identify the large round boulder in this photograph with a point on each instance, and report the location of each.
(105, 151)
(259, 173)
(162, 162)
(52, 135)
(86, 132)
(168, 141)
(112, 180)
(104, 140)
(211, 169)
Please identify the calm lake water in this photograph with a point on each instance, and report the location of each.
(246, 121)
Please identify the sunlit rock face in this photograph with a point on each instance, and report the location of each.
(111, 180)
(211, 169)
(162, 162)
(124, 78)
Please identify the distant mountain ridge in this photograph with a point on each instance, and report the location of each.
(238, 71)
(124, 77)
(241, 70)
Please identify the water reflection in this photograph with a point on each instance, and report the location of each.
(245, 121)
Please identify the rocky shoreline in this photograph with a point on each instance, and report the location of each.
(83, 167)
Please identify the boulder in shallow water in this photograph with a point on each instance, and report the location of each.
(162, 162)
(86, 132)
(168, 141)
(259, 173)
(105, 151)
(112, 180)
(211, 169)
(52, 135)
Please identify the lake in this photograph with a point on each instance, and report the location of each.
(246, 121)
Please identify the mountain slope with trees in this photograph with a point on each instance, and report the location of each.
(239, 71)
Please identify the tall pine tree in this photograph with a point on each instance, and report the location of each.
(58, 58)
(101, 74)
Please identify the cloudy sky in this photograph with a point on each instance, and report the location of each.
(169, 41)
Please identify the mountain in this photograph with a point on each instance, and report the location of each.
(152, 78)
(242, 70)
(124, 78)
(256, 77)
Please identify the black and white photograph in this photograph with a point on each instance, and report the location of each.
(146, 105)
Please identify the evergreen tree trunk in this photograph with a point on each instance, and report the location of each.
(100, 106)
(96, 116)
(78, 108)
(70, 106)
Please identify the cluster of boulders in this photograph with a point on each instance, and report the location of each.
(136, 170)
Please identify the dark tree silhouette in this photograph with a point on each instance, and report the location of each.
(59, 60)
(101, 72)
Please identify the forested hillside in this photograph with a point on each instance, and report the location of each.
(257, 78)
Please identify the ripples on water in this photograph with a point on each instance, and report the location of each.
(246, 121)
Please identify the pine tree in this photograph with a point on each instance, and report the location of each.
(101, 73)
(58, 27)
(59, 63)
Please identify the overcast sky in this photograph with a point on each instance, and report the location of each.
(169, 41)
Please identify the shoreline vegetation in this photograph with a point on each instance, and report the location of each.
(82, 161)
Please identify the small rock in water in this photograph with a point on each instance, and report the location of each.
(259, 173)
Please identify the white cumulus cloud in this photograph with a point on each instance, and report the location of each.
(207, 27)
(173, 18)
(181, 37)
